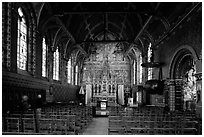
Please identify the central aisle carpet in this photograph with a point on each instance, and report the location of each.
(99, 126)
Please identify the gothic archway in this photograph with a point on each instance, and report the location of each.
(183, 67)
(183, 60)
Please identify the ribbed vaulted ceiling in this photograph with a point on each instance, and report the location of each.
(135, 23)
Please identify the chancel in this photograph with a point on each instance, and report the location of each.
(101, 68)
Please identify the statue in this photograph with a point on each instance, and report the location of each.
(190, 93)
(190, 85)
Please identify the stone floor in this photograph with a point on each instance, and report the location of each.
(99, 126)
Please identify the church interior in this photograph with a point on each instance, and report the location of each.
(102, 68)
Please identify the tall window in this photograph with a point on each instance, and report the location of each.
(140, 68)
(44, 58)
(56, 65)
(76, 74)
(72, 74)
(134, 72)
(149, 55)
(69, 71)
(21, 41)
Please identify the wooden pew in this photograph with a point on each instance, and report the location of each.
(151, 122)
(116, 127)
(12, 124)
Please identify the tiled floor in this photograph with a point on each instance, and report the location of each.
(99, 126)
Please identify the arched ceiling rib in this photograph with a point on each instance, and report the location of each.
(133, 22)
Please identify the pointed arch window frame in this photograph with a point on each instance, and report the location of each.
(44, 58)
(22, 46)
(149, 56)
(76, 74)
(140, 69)
(69, 71)
(56, 60)
(134, 71)
(137, 68)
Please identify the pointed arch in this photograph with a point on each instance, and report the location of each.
(183, 53)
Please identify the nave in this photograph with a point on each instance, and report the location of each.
(98, 126)
(79, 120)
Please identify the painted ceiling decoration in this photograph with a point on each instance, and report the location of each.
(134, 24)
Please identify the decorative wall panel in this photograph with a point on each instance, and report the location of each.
(64, 93)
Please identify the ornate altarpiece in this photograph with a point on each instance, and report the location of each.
(105, 69)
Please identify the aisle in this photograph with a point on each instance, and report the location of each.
(99, 126)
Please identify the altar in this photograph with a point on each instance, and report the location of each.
(105, 75)
(101, 109)
(106, 88)
(103, 104)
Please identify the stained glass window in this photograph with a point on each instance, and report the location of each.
(44, 58)
(134, 72)
(149, 55)
(140, 68)
(21, 41)
(72, 74)
(76, 74)
(56, 65)
(69, 71)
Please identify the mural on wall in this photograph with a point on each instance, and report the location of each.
(106, 67)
